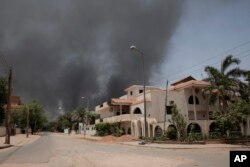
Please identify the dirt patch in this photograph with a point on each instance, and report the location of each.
(124, 138)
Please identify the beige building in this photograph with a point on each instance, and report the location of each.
(185, 93)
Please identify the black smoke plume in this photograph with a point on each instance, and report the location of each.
(62, 50)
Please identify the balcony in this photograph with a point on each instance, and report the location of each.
(121, 118)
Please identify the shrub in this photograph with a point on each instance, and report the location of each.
(172, 133)
(104, 129)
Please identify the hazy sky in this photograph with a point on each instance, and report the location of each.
(62, 50)
(208, 31)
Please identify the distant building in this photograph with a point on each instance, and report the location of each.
(15, 102)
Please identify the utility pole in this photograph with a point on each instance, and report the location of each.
(7, 113)
(166, 109)
(27, 120)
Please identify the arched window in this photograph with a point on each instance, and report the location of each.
(193, 127)
(158, 131)
(191, 100)
(137, 111)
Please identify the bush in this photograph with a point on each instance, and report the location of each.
(103, 129)
(172, 133)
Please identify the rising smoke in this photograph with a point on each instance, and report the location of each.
(64, 49)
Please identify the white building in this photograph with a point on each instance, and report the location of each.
(185, 93)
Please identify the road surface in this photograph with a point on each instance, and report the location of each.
(53, 150)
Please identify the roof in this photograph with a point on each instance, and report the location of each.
(15, 100)
(189, 78)
(141, 86)
(189, 84)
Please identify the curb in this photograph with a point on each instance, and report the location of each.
(145, 146)
(6, 146)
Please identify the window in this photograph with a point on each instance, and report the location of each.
(101, 105)
(169, 110)
(140, 91)
(191, 100)
(131, 93)
(137, 111)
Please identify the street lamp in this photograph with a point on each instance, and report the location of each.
(86, 117)
(133, 48)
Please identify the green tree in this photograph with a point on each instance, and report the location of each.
(81, 114)
(179, 122)
(3, 98)
(237, 114)
(224, 81)
(66, 121)
(37, 116)
(92, 117)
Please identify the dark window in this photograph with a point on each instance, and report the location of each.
(140, 91)
(191, 100)
(101, 105)
(117, 113)
(137, 111)
(169, 109)
(131, 93)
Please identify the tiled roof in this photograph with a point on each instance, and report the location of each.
(188, 84)
(183, 80)
(141, 86)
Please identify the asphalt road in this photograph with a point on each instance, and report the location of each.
(64, 151)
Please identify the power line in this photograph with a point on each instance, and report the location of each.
(172, 78)
(198, 64)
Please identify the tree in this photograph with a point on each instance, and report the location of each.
(37, 117)
(65, 121)
(92, 117)
(237, 114)
(81, 114)
(224, 82)
(232, 93)
(3, 98)
(179, 122)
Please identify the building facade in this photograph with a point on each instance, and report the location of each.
(186, 94)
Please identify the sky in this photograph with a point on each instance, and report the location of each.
(207, 33)
(62, 50)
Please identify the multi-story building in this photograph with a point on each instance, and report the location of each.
(186, 94)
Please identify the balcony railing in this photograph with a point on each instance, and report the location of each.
(121, 118)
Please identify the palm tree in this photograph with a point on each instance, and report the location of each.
(225, 83)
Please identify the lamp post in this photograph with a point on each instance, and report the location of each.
(133, 48)
(86, 117)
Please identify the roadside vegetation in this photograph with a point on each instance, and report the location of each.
(71, 120)
(36, 115)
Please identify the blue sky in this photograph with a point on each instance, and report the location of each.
(208, 31)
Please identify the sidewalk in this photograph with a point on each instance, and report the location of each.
(18, 140)
(184, 146)
(159, 146)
